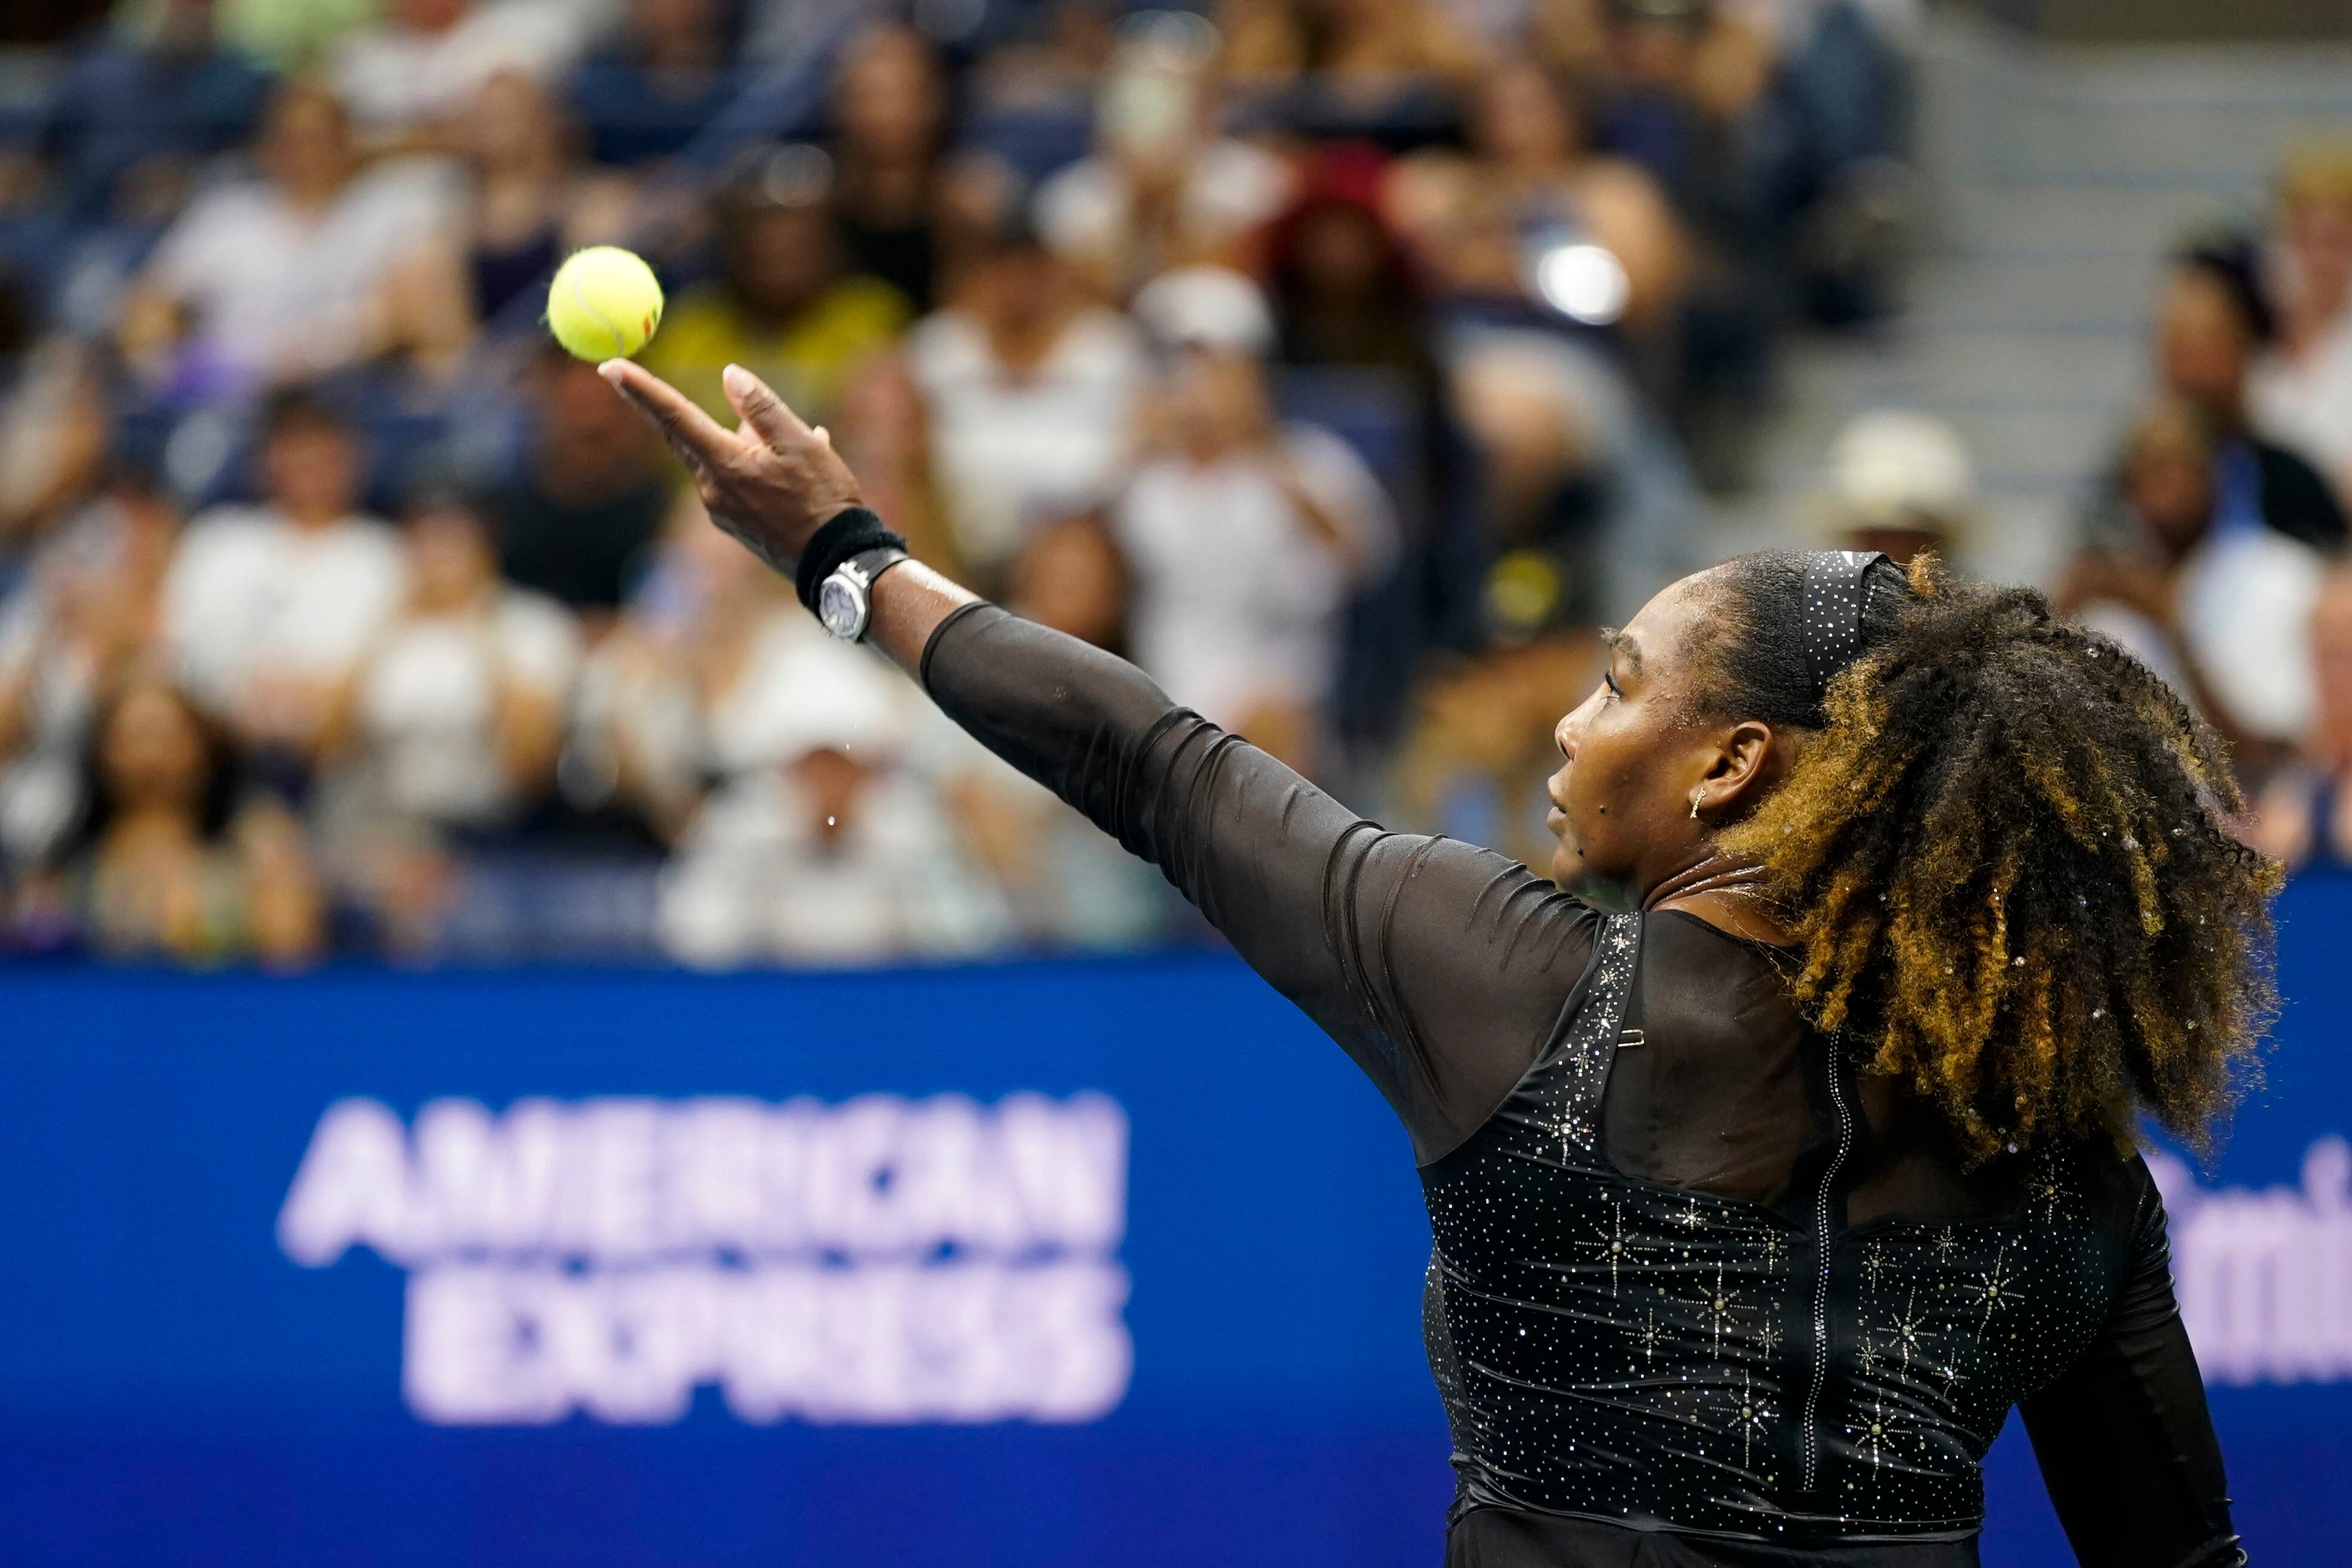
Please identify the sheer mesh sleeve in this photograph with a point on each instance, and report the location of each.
(2123, 1438)
(1440, 968)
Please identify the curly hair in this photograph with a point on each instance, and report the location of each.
(2006, 856)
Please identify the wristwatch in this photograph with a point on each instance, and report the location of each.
(845, 602)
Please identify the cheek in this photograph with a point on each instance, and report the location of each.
(1598, 784)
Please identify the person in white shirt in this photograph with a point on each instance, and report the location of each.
(1245, 540)
(1032, 394)
(268, 281)
(457, 714)
(447, 730)
(428, 59)
(2300, 392)
(2203, 593)
(701, 684)
(268, 609)
(837, 853)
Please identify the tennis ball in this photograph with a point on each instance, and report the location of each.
(603, 304)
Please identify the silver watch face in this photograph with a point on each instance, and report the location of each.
(841, 606)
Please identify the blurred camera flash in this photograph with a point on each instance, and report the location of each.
(1583, 281)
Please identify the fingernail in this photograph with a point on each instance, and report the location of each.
(736, 378)
(611, 371)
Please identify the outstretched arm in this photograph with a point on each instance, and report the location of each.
(1439, 967)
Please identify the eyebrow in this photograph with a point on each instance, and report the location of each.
(1616, 639)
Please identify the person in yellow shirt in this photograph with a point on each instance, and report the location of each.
(784, 306)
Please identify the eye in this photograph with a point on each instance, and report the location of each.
(1608, 679)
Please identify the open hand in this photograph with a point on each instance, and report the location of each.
(772, 482)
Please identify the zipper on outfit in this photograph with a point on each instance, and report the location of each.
(1809, 1437)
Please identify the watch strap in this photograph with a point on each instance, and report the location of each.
(847, 535)
(869, 564)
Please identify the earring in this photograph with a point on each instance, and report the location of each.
(1695, 795)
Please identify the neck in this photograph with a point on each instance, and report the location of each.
(1727, 894)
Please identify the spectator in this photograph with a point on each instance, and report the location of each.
(1683, 75)
(1481, 741)
(86, 616)
(1067, 884)
(1355, 332)
(53, 429)
(838, 855)
(268, 609)
(700, 683)
(2212, 321)
(133, 118)
(457, 711)
(575, 522)
(449, 729)
(525, 205)
(889, 112)
(883, 431)
(1032, 395)
(784, 306)
(1687, 78)
(277, 279)
(1900, 482)
(175, 869)
(1343, 289)
(1246, 540)
(1070, 576)
(654, 88)
(1527, 134)
(1163, 189)
(428, 59)
(1382, 69)
(2200, 589)
(2304, 815)
(2301, 395)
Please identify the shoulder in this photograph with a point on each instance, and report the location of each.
(945, 345)
(365, 542)
(223, 535)
(225, 217)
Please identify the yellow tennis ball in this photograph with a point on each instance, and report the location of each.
(603, 304)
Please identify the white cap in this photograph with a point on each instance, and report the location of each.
(811, 692)
(1206, 307)
(1891, 466)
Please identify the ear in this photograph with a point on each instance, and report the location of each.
(1749, 761)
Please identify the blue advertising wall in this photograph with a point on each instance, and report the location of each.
(195, 1368)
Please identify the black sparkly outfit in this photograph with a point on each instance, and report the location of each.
(1701, 1292)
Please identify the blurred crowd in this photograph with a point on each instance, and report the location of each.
(1342, 362)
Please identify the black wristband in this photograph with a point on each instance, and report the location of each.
(852, 532)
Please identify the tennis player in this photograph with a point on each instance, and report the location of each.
(1758, 1205)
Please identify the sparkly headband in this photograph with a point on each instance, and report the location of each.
(1834, 592)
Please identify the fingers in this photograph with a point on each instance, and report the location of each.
(697, 438)
(762, 409)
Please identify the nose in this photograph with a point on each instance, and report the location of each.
(1570, 729)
